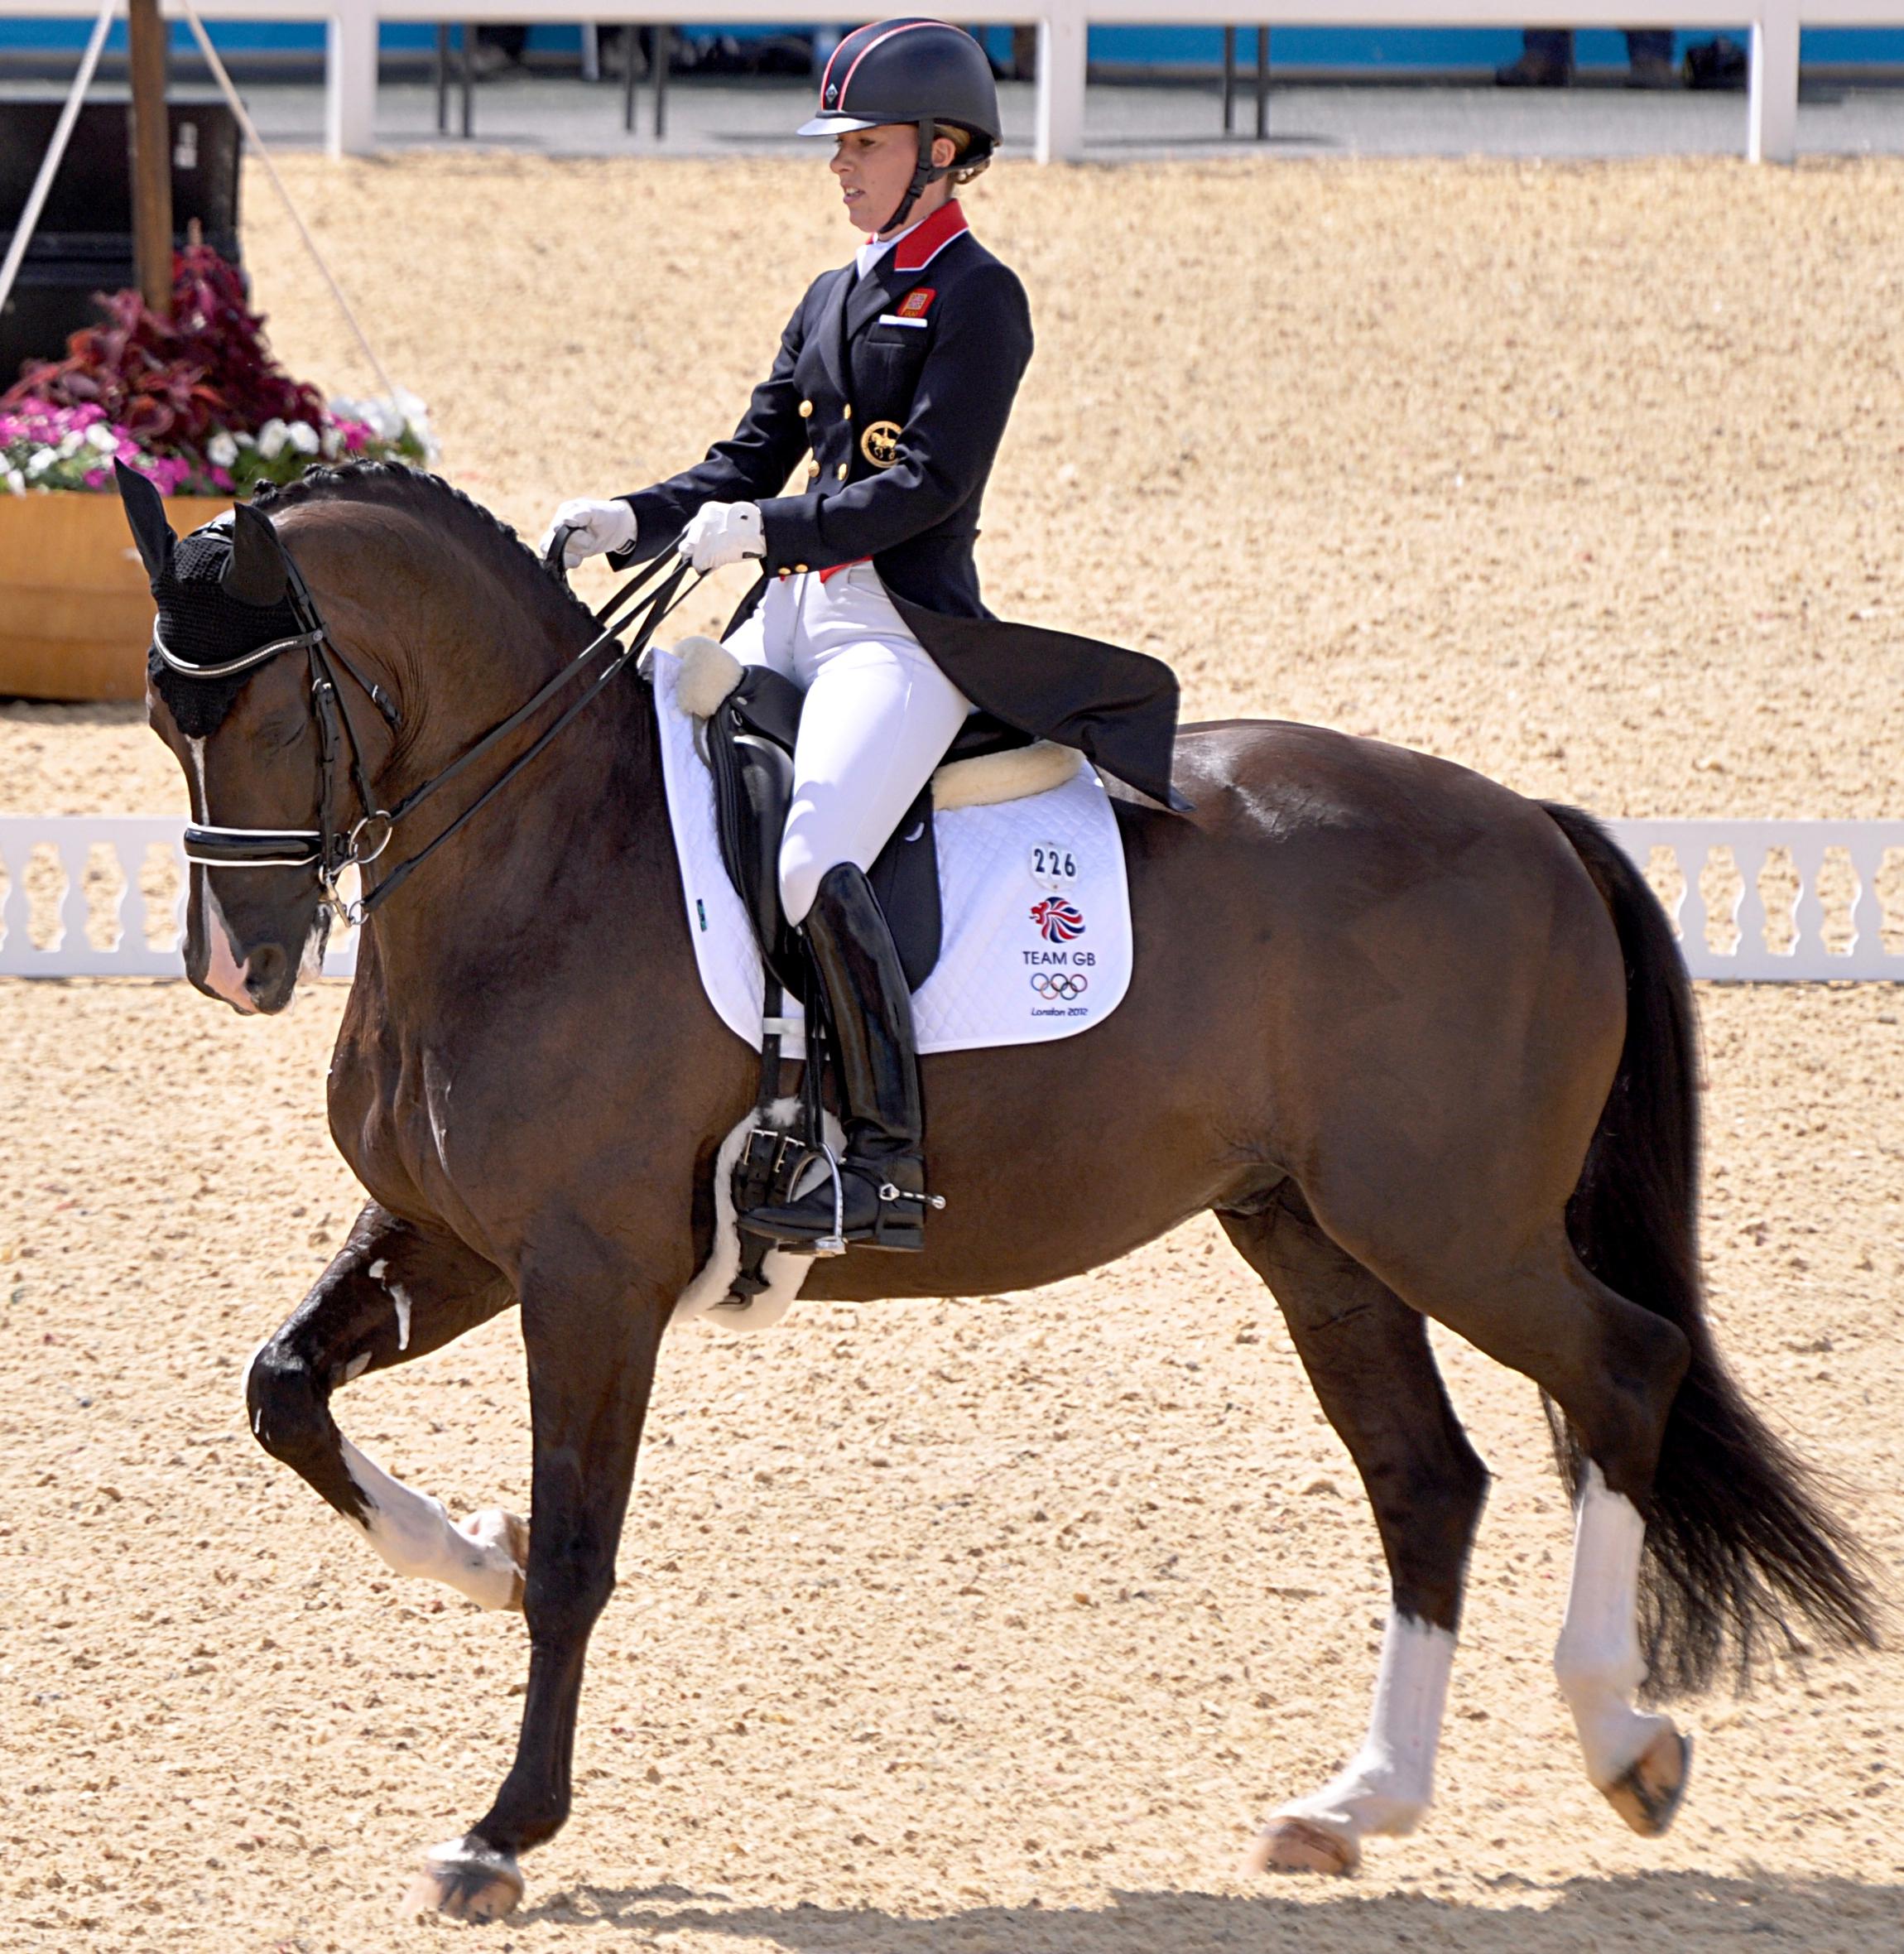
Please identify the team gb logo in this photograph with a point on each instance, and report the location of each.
(1057, 919)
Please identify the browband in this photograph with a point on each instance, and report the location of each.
(302, 641)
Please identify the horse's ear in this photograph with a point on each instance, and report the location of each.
(146, 513)
(257, 572)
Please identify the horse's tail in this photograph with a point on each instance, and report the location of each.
(1737, 1536)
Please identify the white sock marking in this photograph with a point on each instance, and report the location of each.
(412, 1534)
(1386, 1787)
(1598, 1660)
(401, 1298)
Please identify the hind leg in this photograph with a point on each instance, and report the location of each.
(1367, 1355)
(393, 1293)
(1613, 1368)
(1638, 1761)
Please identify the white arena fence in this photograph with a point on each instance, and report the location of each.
(1772, 108)
(1755, 901)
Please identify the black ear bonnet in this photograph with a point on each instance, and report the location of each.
(221, 592)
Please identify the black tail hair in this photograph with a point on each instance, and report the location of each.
(1737, 1536)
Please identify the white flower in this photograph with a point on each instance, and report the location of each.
(71, 442)
(16, 481)
(102, 437)
(244, 440)
(41, 460)
(221, 450)
(303, 437)
(332, 442)
(272, 438)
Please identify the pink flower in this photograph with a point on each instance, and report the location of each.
(97, 478)
(222, 477)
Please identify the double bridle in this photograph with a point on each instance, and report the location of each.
(330, 848)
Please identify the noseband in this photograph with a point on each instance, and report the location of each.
(330, 848)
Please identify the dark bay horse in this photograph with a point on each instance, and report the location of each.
(1424, 1047)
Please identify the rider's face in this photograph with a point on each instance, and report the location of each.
(874, 168)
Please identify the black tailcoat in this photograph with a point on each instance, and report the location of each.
(900, 383)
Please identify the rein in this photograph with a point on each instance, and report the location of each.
(328, 850)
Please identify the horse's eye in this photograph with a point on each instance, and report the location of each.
(284, 729)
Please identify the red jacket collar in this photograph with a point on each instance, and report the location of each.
(921, 245)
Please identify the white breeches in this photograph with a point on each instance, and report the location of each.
(879, 716)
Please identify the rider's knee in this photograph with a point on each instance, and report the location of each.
(801, 868)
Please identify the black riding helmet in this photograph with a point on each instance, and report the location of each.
(928, 72)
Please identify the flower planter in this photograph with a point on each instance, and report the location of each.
(76, 610)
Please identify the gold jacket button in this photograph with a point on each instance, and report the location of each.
(841, 471)
(799, 570)
(812, 470)
(806, 410)
(785, 575)
(846, 412)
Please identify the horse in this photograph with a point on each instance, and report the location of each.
(1426, 1049)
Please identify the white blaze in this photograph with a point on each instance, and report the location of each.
(1598, 1660)
(223, 972)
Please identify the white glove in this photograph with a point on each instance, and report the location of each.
(723, 532)
(593, 527)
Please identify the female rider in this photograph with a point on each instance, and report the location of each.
(898, 372)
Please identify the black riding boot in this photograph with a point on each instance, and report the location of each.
(882, 1177)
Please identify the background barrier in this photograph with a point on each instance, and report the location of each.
(1755, 901)
(102, 895)
(1771, 109)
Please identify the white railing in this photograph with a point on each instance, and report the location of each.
(1771, 109)
(101, 896)
(1755, 901)
(1779, 901)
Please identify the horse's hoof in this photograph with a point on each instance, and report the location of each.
(501, 1535)
(1290, 1845)
(1648, 1794)
(467, 1880)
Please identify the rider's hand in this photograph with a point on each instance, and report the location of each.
(593, 527)
(723, 532)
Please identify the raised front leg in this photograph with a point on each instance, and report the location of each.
(1368, 1355)
(395, 1293)
(592, 1334)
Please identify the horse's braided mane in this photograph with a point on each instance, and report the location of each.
(442, 502)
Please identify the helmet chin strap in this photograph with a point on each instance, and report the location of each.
(925, 171)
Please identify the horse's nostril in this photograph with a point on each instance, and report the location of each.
(264, 971)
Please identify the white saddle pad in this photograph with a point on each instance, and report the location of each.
(1037, 908)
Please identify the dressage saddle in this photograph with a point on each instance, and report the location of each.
(750, 740)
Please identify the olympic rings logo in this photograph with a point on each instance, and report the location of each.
(1062, 985)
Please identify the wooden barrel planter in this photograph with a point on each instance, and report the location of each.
(75, 609)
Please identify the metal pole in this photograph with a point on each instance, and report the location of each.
(443, 78)
(1229, 79)
(631, 49)
(229, 90)
(55, 152)
(468, 78)
(664, 46)
(1263, 83)
(150, 141)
